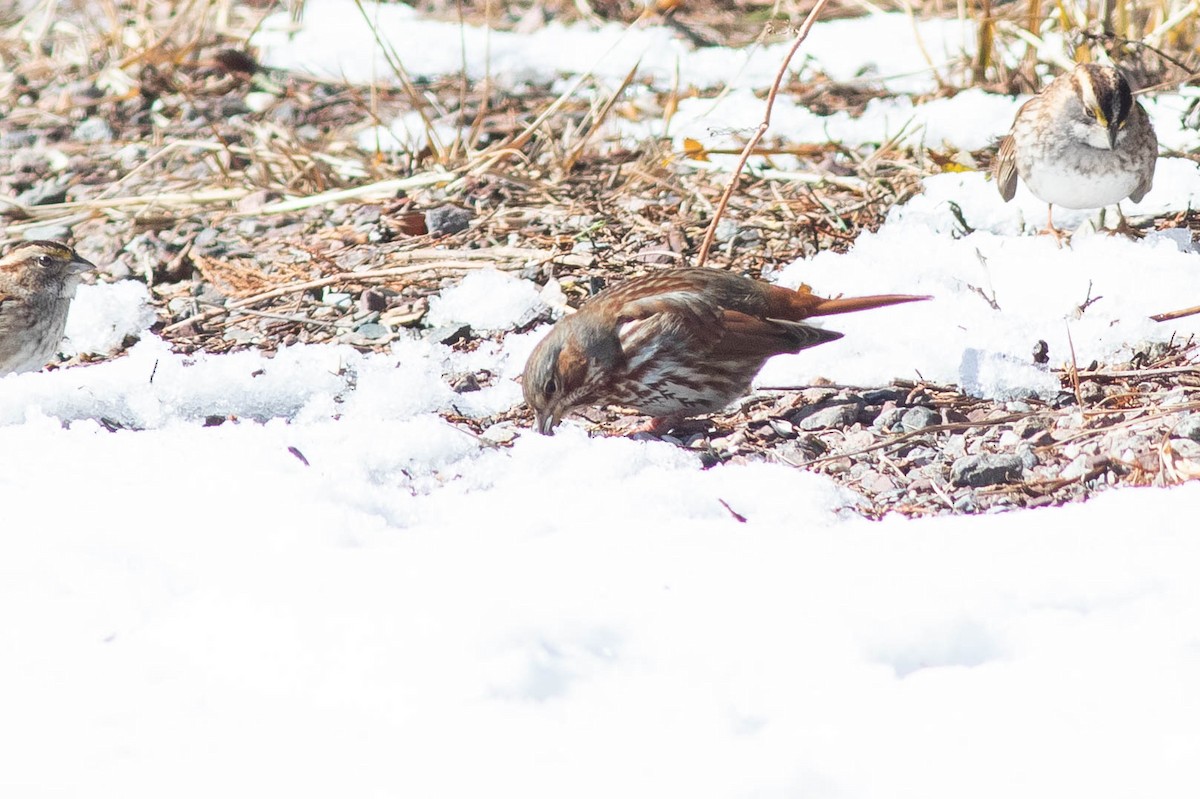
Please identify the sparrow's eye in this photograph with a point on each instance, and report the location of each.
(45, 261)
(550, 387)
(1090, 112)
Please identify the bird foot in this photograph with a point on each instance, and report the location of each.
(1123, 228)
(1061, 237)
(655, 428)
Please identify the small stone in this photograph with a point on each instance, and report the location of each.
(93, 129)
(447, 219)
(1188, 427)
(372, 330)
(783, 428)
(449, 334)
(499, 433)
(372, 300)
(919, 418)
(205, 237)
(875, 483)
(816, 396)
(921, 456)
(835, 416)
(366, 215)
(464, 383)
(966, 504)
(1028, 428)
(1029, 458)
(1091, 391)
(889, 419)
(45, 193)
(986, 469)
(726, 229)
(955, 446)
(878, 396)
(48, 232)
(1186, 448)
(1076, 469)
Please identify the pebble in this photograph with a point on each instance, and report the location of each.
(499, 433)
(840, 415)
(447, 219)
(48, 232)
(1188, 427)
(888, 420)
(372, 330)
(1076, 469)
(878, 396)
(919, 418)
(985, 469)
(1186, 448)
(93, 129)
(47, 192)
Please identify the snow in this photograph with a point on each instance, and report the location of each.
(339, 41)
(337, 592)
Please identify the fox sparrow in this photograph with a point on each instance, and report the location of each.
(675, 343)
(37, 282)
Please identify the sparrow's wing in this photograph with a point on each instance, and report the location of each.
(1004, 170)
(1148, 182)
(688, 319)
(751, 337)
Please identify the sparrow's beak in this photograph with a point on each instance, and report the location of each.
(1113, 130)
(79, 264)
(545, 423)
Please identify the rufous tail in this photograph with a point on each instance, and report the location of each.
(802, 303)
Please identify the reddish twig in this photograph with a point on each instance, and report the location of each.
(709, 234)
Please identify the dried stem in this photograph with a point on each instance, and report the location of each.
(763, 126)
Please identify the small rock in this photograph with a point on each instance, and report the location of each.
(45, 193)
(1076, 469)
(888, 420)
(1029, 458)
(966, 504)
(1028, 428)
(1091, 391)
(447, 219)
(1188, 427)
(366, 215)
(835, 416)
(816, 396)
(878, 396)
(986, 469)
(449, 334)
(48, 232)
(919, 418)
(372, 330)
(921, 456)
(13, 140)
(372, 300)
(93, 129)
(875, 483)
(1008, 439)
(783, 428)
(726, 229)
(1186, 448)
(499, 433)
(464, 383)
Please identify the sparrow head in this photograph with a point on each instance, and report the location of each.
(1105, 102)
(44, 262)
(567, 369)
